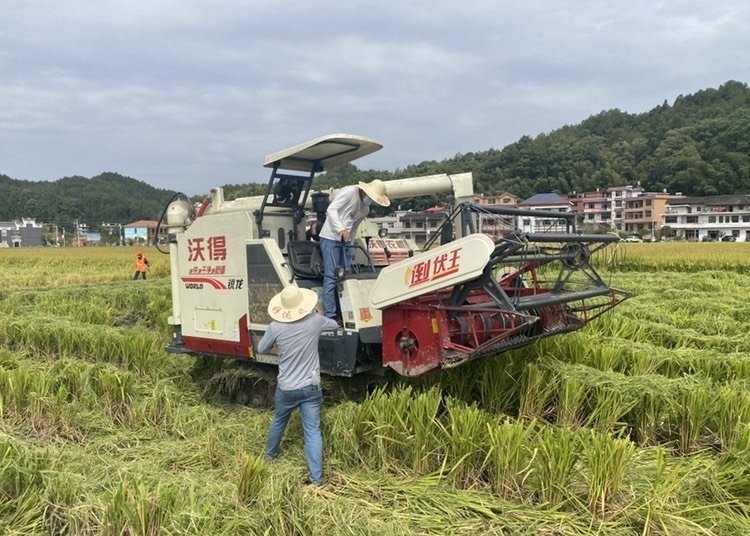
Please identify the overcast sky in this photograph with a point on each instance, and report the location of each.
(190, 94)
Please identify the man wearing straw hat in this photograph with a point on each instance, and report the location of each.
(295, 331)
(347, 210)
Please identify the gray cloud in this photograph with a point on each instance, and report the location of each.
(190, 94)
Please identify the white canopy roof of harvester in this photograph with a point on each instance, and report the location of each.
(324, 153)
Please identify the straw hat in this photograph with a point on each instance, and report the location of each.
(292, 303)
(375, 190)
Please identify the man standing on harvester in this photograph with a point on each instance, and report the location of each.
(347, 210)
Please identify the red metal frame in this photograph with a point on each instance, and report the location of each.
(240, 349)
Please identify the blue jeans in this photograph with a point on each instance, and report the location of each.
(309, 400)
(331, 251)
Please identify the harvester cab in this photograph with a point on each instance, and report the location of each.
(402, 309)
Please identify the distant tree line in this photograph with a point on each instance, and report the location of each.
(107, 197)
(700, 145)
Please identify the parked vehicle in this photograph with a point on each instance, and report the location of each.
(633, 238)
(728, 238)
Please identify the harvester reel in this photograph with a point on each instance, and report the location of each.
(575, 256)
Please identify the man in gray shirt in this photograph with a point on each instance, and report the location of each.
(295, 331)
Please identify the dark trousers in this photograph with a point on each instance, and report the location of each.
(137, 273)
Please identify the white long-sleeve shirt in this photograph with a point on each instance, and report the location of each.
(346, 211)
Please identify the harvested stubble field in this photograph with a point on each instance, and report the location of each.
(637, 425)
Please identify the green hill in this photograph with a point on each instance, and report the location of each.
(107, 197)
(699, 145)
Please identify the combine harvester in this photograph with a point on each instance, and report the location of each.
(402, 309)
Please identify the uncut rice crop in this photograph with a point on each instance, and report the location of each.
(682, 257)
(62, 267)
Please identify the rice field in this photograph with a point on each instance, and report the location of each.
(637, 425)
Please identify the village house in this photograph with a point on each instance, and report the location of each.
(716, 217)
(548, 203)
(141, 231)
(26, 233)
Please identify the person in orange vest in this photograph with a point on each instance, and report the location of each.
(141, 265)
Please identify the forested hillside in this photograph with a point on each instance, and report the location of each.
(107, 197)
(698, 145)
